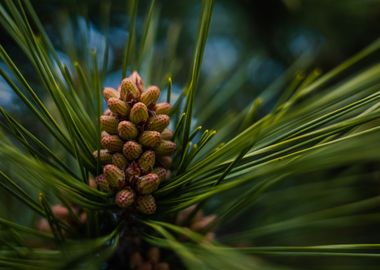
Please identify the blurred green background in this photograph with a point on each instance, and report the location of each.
(258, 39)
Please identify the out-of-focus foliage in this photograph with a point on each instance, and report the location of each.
(276, 134)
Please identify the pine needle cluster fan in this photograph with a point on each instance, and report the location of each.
(289, 182)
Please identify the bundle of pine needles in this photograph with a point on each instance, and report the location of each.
(289, 182)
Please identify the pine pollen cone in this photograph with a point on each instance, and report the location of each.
(136, 144)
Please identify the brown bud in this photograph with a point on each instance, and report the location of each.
(184, 214)
(167, 134)
(162, 266)
(127, 130)
(148, 183)
(109, 123)
(104, 156)
(109, 92)
(60, 212)
(139, 113)
(43, 225)
(154, 255)
(135, 260)
(91, 182)
(114, 176)
(158, 122)
(137, 80)
(119, 107)
(128, 90)
(162, 108)
(103, 134)
(150, 138)
(203, 223)
(125, 198)
(146, 161)
(83, 218)
(132, 173)
(108, 112)
(119, 160)
(146, 204)
(112, 142)
(132, 150)
(165, 148)
(102, 183)
(150, 95)
(165, 161)
(161, 172)
(209, 237)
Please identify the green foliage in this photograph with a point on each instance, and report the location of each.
(296, 182)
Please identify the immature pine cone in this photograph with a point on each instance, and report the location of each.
(137, 146)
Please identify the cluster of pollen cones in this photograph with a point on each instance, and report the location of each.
(136, 144)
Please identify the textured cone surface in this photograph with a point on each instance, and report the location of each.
(132, 150)
(167, 134)
(158, 122)
(102, 183)
(119, 160)
(165, 147)
(146, 204)
(150, 138)
(125, 198)
(112, 143)
(127, 130)
(162, 108)
(146, 161)
(165, 161)
(109, 92)
(114, 176)
(161, 172)
(104, 156)
(109, 123)
(150, 96)
(148, 183)
(139, 113)
(118, 107)
(128, 90)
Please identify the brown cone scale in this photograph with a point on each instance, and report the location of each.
(147, 183)
(132, 150)
(146, 204)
